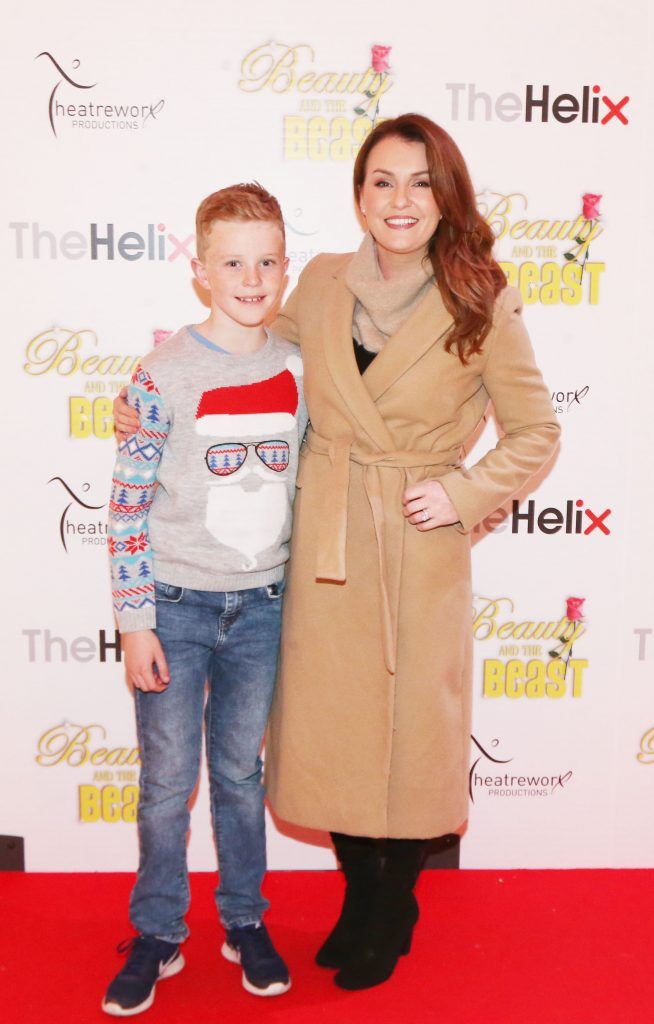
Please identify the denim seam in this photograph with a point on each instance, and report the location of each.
(141, 742)
(183, 880)
(229, 615)
(213, 795)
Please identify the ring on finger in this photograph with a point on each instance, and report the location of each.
(425, 516)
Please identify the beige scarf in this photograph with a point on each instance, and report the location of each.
(383, 306)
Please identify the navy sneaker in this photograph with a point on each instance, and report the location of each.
(264, 971)
(150, 959)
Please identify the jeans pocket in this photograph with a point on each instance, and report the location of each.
(168, 592)
(275, 591)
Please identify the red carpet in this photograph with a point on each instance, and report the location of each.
(517, 947)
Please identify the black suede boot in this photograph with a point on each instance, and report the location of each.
(388, 932)
(360, 859)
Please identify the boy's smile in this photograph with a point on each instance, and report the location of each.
(244, 268)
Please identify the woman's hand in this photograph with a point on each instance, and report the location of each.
(143, 653)
(126, 421)
(427, 506)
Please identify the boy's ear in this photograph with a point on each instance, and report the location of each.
(199, 272)
(286, 263)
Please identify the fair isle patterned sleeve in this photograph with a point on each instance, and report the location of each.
(132, 490)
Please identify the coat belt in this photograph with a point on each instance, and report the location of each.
(330, 563)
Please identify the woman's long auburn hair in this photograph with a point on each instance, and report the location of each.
(461, 248)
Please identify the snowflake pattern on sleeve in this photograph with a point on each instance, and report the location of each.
(132, 491)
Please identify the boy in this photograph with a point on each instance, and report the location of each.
(199, 524)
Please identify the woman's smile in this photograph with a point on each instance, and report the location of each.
(401, 223)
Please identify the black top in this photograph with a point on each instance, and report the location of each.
(362, 356)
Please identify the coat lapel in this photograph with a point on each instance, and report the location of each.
(418, 333)
(340, 358)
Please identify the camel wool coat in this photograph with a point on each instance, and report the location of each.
(370, 727)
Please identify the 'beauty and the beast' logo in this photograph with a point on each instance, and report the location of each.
(337, 108)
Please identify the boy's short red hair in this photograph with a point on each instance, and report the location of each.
(248, 201)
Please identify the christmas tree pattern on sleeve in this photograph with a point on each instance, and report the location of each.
(132, 490)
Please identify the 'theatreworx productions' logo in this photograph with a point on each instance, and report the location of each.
(77, 526)
(91, 115)
(489, 775)
(537, 104)
(567, 400)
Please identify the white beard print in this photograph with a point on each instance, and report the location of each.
(246, 519)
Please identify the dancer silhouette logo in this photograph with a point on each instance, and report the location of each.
(87, 113)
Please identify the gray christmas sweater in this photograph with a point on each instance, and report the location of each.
(202, 495)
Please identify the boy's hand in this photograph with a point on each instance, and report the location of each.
(144, 653)
(126, 420)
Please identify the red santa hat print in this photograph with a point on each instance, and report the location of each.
(261, 409)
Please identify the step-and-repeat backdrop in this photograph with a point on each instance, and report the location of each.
(118, 119)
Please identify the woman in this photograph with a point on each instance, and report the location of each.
(370, 726)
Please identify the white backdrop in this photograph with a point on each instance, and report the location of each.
(121, 118)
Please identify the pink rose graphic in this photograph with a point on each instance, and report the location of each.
(369, 107)
(379, 58)
(575, 608)
(160, 336)
(591, 205)
(574, 613)
(591, 213)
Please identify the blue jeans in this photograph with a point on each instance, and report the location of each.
(229, 641)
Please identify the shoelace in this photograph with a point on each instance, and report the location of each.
(137, 949)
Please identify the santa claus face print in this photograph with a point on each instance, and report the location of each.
(247, 504)
(248, 500)
(243, 267)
